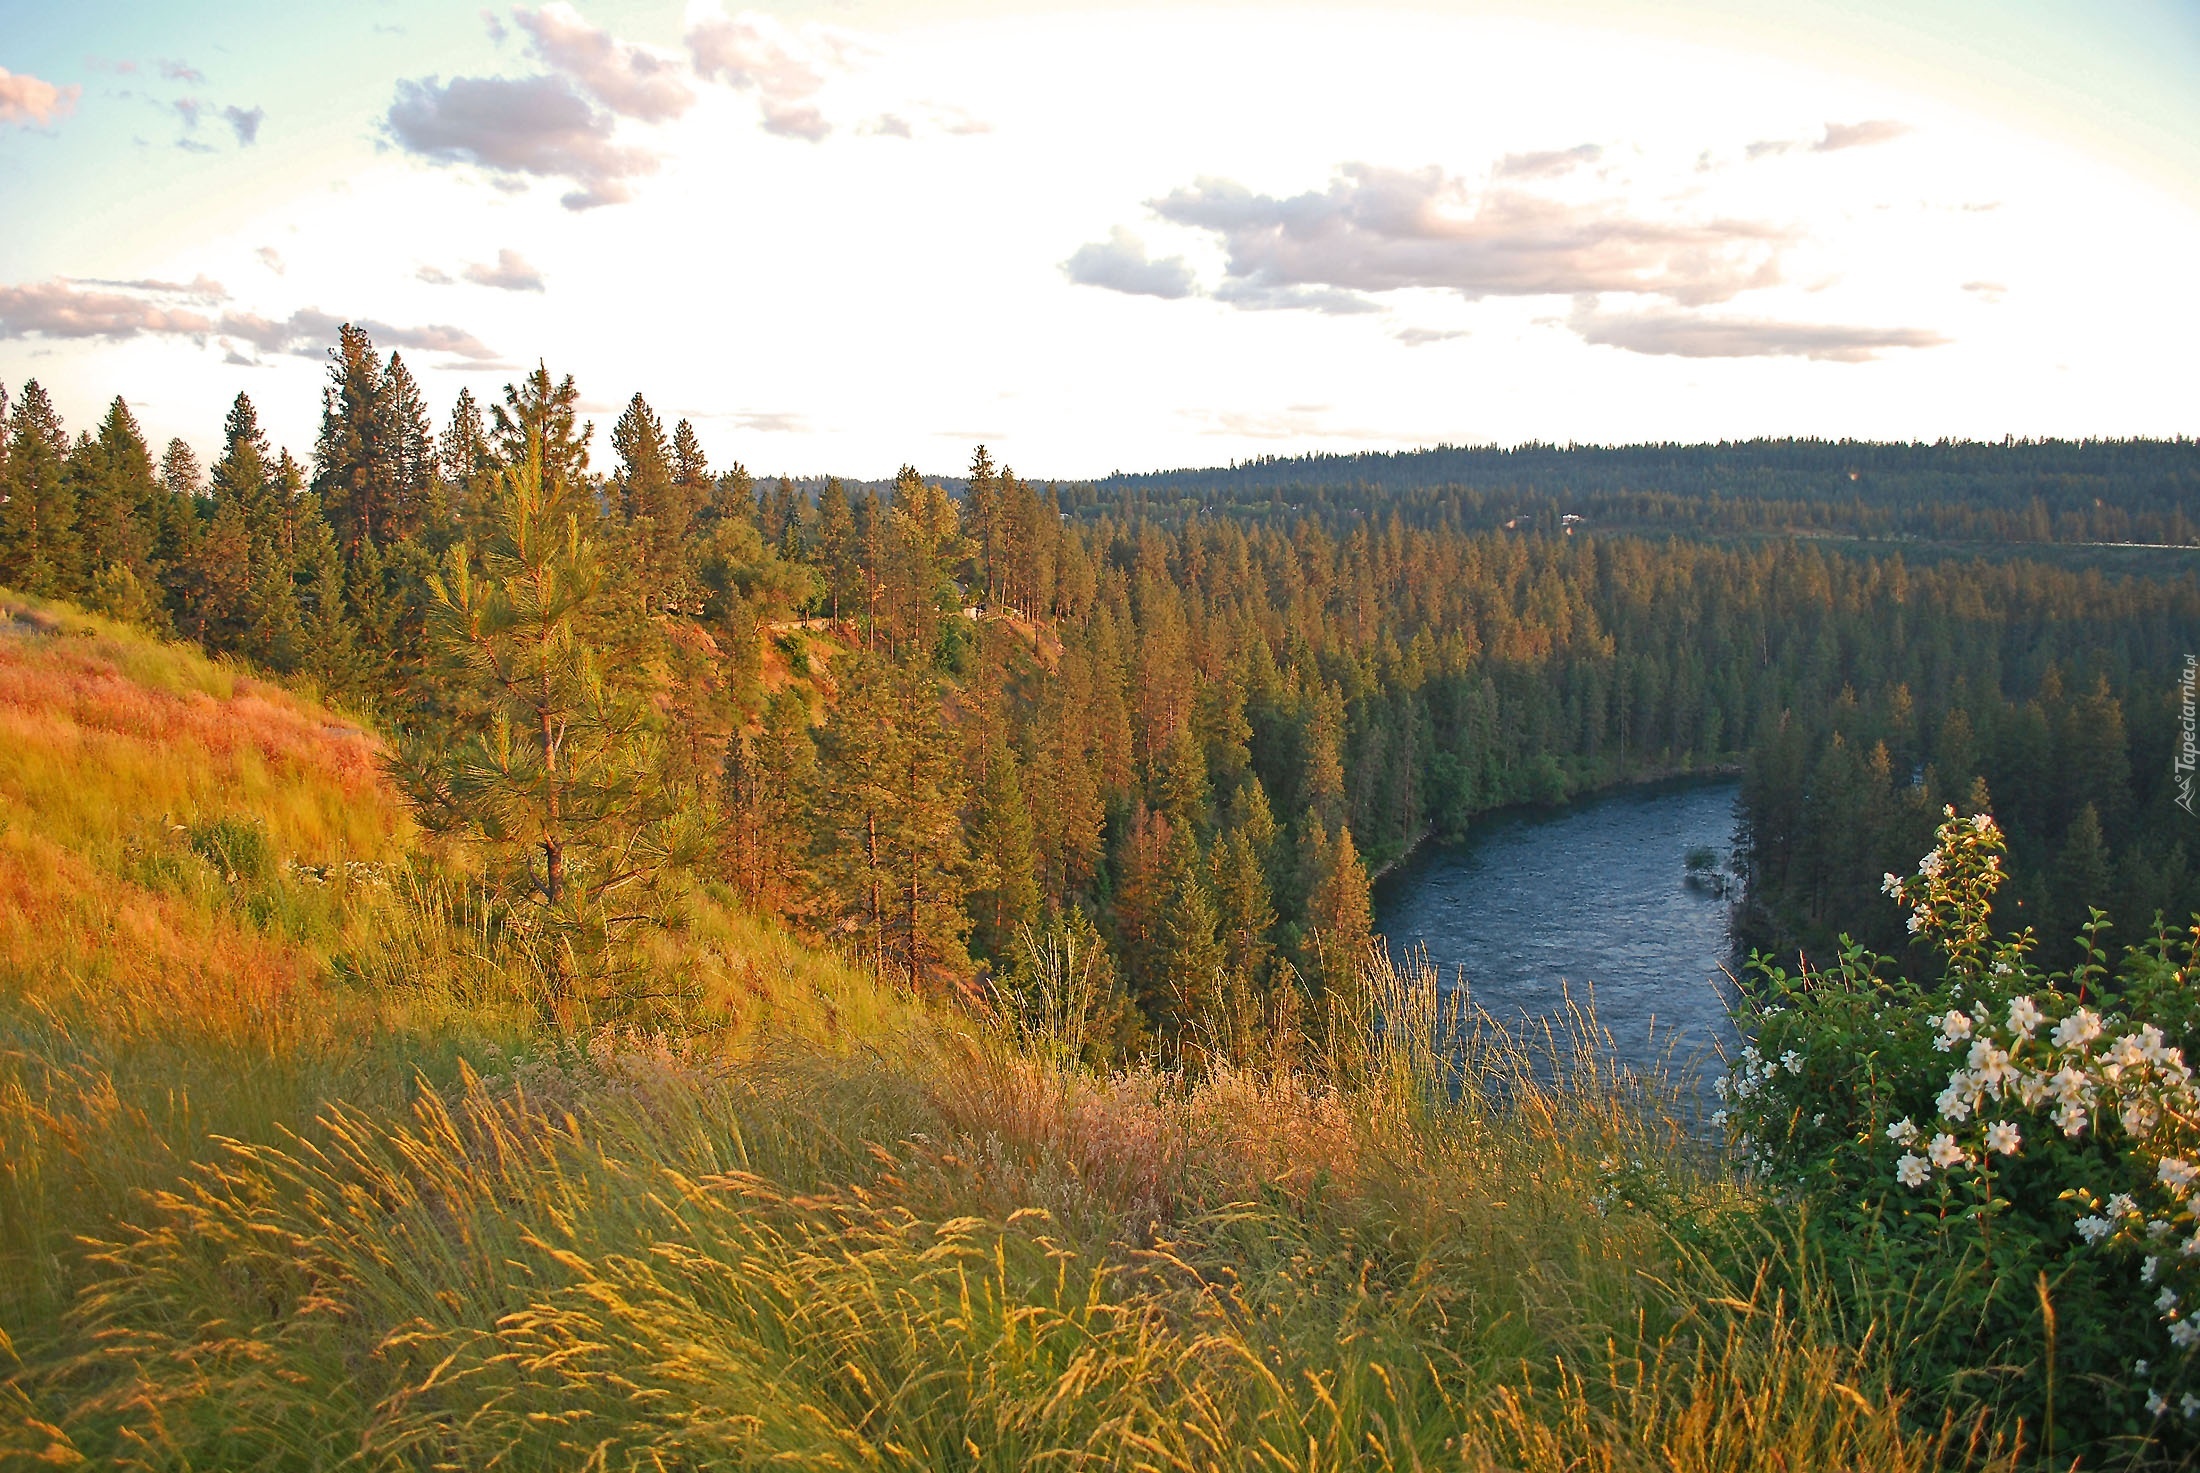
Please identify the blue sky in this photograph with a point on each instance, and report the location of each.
(841, 236)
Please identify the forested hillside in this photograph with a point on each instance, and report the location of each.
(2037, 491)
(917, 725)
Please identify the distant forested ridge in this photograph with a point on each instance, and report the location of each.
(1182, 718)
(2028, 491)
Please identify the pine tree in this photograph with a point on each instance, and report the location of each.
(888, 845)
(1008, 899)
(563, 780)
(39, 550)
(837, 549)
(351, 456)
(541, 417)
(769, 773)
(1340, 917)
(407, 455)
(467, 465)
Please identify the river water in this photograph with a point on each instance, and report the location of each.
(1594, 900)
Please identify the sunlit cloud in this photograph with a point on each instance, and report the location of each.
(1669, 333)
(535, 126)
(29, 102)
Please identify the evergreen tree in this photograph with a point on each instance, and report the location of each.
(1007, 901)
(39, 550)
(352, 461)
(540, 412)
(888, 848)
(467, 465)
(837, 551)
(562, 780)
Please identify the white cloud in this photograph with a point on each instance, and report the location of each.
(29, 102)
(533, 126)
(1668, 333)
(634, 81)
(785, 68)
(1120, 264)
(1377, 229)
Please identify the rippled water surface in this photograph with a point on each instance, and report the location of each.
(1593, 897)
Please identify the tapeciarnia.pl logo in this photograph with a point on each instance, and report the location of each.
(2188, 731)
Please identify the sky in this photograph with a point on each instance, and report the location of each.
(845, 235)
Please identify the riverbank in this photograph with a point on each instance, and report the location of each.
(1647, 781)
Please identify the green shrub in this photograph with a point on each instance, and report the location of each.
(1997, 1162)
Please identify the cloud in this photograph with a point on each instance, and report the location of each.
(28, 102)
(1990, 291)
(200, 288)
(434, 276)
(1547, 163)
(494, 26)
(60, 308)
(754, 52)
(1120, 264)
(511, 273)
(271, 258)
(1667, 333)
(1859, 135)
(190, 109)
(769, 422)
(1256, 295)
(888, 125)
(192, 145)
(1421, 337)
(308, 331)
(1764, 147)
(1378, 229)
(176, 71)
(245, 123)
(535, 126)
(634, 81)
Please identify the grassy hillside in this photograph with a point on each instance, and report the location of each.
(285, 1184)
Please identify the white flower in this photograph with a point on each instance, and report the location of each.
(1944, 1151)
(2192, 1246)
(1792, 1062)
(2156, 1404)
(1720, 1086)
(1929, 866)
(2138, 1119)
(2177, 1175)
(2071, 1086)
(2082, 1026)
(2141, 1368)
(1903, 1131)
(1953, 1103)
(2184, 1334)
(1912, 1171)
(1718, 1118)
(2159, 1228)
(1982, 823)
(2121, 1206)
(2149, 1269)
(2002, 1138)
(2071, 1119)
(1955, 1025)
(2166, 1300)
(1818, 1119)
(2093, 1229)
(1917, 922)
(2189, 1405)
(1891, 884)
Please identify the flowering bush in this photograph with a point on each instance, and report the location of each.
(2005, 1159)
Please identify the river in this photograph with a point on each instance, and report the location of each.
(1593, 898)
